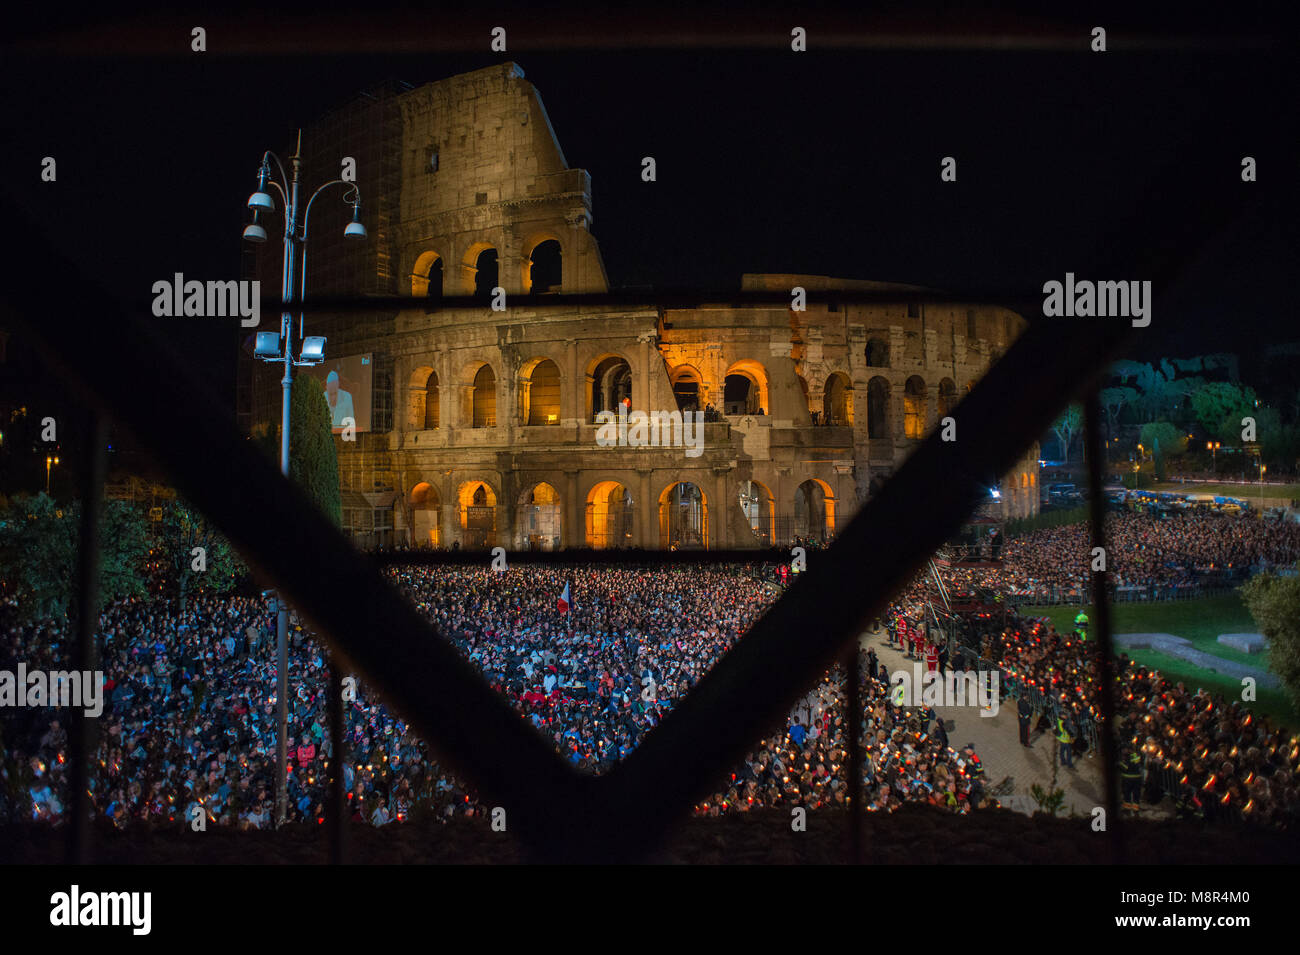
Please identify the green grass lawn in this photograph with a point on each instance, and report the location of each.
(1199, 621)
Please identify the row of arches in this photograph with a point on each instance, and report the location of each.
(539, 393)
(745, 392)
(878, 352)
(479, 272)
(610, 516)
(837, 404)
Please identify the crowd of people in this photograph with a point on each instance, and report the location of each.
(1212, 756)
(1160, 553)
(189, 723)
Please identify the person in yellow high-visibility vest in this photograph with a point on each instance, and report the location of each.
(1065, 737)
(1081, 624)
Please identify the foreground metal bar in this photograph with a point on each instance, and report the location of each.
(882, 549)
(1102, 645)
(375, 633)
(557, 813)
(853, 699)
(81, 732)
(336, 809)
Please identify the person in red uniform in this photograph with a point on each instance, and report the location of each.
(932, 657)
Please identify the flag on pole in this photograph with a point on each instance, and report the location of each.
(562, 605)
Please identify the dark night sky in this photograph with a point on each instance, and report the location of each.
(825, 162)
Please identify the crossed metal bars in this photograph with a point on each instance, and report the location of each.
(557, 812)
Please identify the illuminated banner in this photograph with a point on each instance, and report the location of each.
(346, 389)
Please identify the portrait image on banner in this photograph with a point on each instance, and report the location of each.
(346, 389)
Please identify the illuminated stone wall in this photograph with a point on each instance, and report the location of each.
(803, 432)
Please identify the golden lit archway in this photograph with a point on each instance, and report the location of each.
(539, 518)
(477, 512)
(426, 514)
(683, 517)
(610, 516)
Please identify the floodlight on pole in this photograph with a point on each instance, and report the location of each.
(273, 346)
(313, 350)
(268, 346)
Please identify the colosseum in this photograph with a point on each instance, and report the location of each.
(483, 425)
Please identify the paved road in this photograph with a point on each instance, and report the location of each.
(997, 742)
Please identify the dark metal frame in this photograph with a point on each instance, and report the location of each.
(558, 813)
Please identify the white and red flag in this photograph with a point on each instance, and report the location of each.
(562, 605)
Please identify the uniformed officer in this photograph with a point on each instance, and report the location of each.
(1025, 714)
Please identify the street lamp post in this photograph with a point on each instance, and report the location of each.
(50, 460)
(1213, 448)
(279, 347)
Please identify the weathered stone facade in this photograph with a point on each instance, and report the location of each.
(493, 430)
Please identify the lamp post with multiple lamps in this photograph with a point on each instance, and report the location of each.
(278, 347)
(50, 461)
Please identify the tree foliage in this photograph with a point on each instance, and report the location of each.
(313, 458)
(180, 531)
(1220, 406)
(1279, 441)
(1274, 602)
(38, 554)
(1114, 401)
(1170, 439)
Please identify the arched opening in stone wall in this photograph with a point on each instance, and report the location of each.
(686, 388)
(427, 279)
(759, 508)
(878, 408)
(545, 269)
(914, 408)
(426, 516)
(477, 505)
(537, 519)
(611, 385)
(432, 402)
(485, 273)
(877, 353)
(814, 511)
(484, 398)
(421, 389)
(539, 392)
(947, 397)
(744, 389)
(433, 286)
(837, 402)
(683, 518)
(807, 397)
(611, 517)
